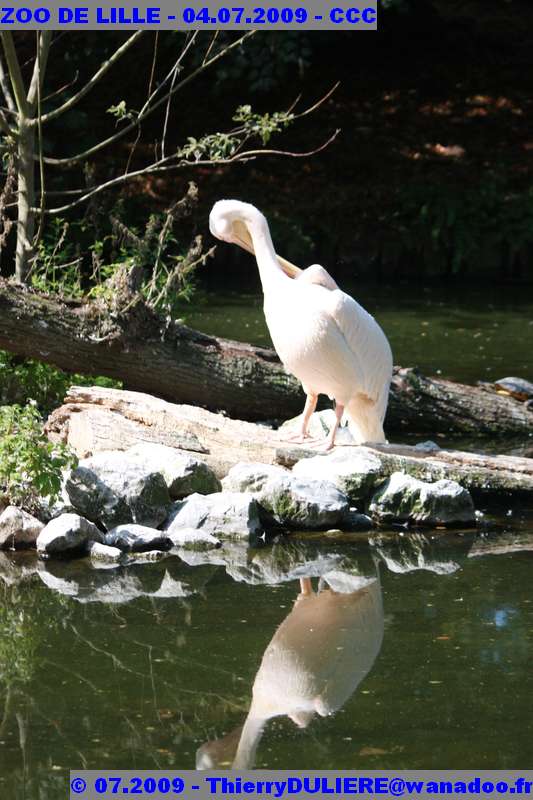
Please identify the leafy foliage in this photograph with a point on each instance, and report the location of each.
(21, 379)
(220, 146)
(30, 465)
(262, 126)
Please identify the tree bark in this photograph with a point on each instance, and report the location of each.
(26, 199)
(182, 365)
(95, 419)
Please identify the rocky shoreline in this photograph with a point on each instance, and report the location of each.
(152, 499)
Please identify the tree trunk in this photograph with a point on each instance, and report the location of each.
(95, 419)
(182, 365)
(26, 199)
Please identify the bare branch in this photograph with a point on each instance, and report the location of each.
(164, 165)
(98, 75)
(15, 74)
(4, 124)
(169, 74)
(44, 39)
(64, 162)
(213, 40)
(4, 84)
(249, 154)
(150, 83)
(318, 103)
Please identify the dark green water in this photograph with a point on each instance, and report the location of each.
(153, 665)
(462, 333)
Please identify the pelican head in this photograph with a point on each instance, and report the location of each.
(234, 222)
(229, 220)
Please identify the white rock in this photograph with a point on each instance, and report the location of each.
(251, 476)
(356, 472)
(406, 499)
(228, 514)
(103, 552)
(135, 538)
(304, 504)
(18, 528)
(191, 539)
(67, 532)
(113, 488)
(183, 474)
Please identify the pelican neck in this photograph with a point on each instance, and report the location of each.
(270, 271)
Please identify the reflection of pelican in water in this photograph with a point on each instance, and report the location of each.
(315, 661)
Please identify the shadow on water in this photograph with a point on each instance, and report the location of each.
(404, 651)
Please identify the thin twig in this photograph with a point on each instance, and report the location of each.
(318, 103)
(62, 89)
(150, 83)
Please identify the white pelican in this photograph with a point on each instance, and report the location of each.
(315, 661)
(322, 335)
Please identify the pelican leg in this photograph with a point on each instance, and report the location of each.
(330, 441)
(303, 435)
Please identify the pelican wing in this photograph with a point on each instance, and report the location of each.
(366, 341)
(317, 274)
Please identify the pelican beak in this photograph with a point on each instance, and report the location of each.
(243, 239)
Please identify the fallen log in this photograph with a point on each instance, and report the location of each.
(182, 365)
(94, 419)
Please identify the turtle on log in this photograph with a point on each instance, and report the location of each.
(518, 388)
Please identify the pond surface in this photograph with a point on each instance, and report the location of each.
(462, 333)
(410, 652)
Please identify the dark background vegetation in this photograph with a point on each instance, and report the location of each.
(429, 178)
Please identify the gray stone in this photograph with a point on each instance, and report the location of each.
(18, 528)
(429, 445)
(183, 474)
(295, 502)
(406, 499)
(251, 476)
(113, 488)
(228, 514)
(191, 539)
(356, 472)
(136, 538)
(67, 532)
(103, 552)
